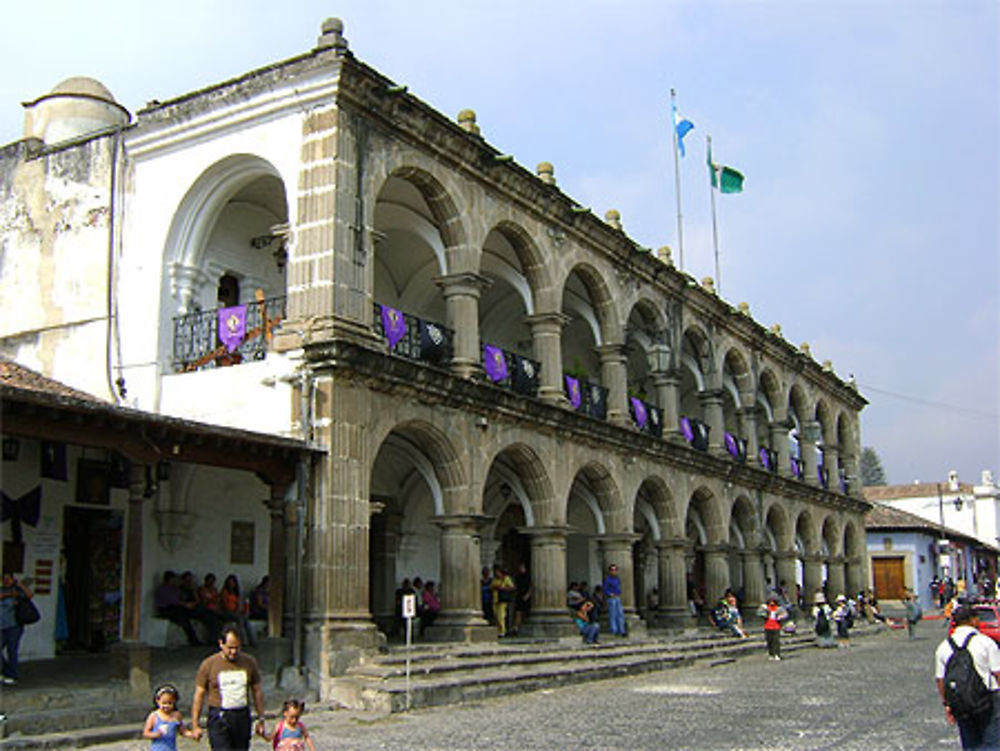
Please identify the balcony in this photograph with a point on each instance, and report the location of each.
(226, 336)
(586, 397)
(431, 342)
(648, 418)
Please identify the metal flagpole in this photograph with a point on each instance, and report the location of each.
(713, 178)
(677, 180)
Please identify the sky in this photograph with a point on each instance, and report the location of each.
(867, 132)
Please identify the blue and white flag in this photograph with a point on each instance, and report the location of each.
(682, 126)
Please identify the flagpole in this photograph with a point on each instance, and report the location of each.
(715, 229)
(677, 180)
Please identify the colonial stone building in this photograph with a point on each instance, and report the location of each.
(491, 372)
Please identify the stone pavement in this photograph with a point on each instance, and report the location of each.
(877, 694)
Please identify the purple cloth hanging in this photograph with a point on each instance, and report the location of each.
(573, 391)
(639, 410)
(233, 326)
(393, 324)
(494, 362)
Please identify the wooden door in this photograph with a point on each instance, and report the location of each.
(888, 576)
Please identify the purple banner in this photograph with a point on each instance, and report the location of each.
(393, 324)
(731, 446)
(687, 430)
(765, 459)
(494, 362)
(232, 326)
(639, 410)
(573, 390)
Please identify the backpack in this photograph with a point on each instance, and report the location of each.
(964, 690)
(822, 627)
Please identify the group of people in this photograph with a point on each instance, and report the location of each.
(428, 603)
(227, 684)
(180, 600)
(499, 591)
(586, 608)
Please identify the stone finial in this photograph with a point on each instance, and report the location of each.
(852, 381)
(708, 284)
(664, 254)
(828, 366)
(614, 218)
(546, 173)
(744, 308)
(804, 347)
(467, 122)
(332, 36)
(776, 329)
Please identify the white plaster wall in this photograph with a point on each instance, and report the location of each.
(216, 498)
(160, 179)
(249, 396)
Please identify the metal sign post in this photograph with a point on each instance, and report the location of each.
(409, 613)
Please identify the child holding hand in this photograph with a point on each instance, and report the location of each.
(165, 722)
(290, 734)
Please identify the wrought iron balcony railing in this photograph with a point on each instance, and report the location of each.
(586, 396)
(226, 336)
(412, 337)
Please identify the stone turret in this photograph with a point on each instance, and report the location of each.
(74, 108)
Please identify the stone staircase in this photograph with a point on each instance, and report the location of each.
(453, 674)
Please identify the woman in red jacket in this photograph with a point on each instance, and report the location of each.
(773, 614)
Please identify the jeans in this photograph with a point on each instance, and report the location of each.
(982, 733)
(589, 632)
(616, 616)
(11, 641)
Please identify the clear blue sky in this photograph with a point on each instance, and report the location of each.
(867, 132)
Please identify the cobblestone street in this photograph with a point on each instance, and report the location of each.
(877, 694)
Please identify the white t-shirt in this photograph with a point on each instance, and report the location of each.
(983, 649)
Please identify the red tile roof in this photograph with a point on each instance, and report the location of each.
(17, 376)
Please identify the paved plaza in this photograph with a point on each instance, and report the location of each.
(876, 694)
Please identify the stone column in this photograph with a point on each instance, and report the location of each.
(131, 657)
(336, 613)
(779, 442)
(546, 335)
(835, 577)
(668, 399)
(613, 376)
(461, 296)
(784, 570)
(385, 549)
(812, 575)
(674, 612)
(716, 573)
(461, 616)
(748, 419)
(854, 575)
(753, 579)
(276, 564)
(831, 459)
(549, 615)
(617, 549)
(808, 444)
(711, 404)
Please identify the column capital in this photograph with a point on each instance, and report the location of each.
(665, 378)
(672, 544)
(552, 320)
(462, 283)
(472, 523)
(618, 538)
(553, 534)
(709, 396)
(718, 549)
(611, 352)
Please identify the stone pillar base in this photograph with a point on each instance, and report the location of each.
(131, 660)
(460, 632)
(635, 626)
(549, 624)
(674, 618)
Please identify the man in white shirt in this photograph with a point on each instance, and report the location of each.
(980, 731)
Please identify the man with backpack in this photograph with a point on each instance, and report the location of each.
(967, 668)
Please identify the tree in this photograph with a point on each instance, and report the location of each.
(872, 472)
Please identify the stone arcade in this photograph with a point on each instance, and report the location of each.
(495, 373)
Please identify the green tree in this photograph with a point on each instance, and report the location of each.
(872, 472)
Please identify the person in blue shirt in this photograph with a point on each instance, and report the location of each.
(613, 596)
(11, 630)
